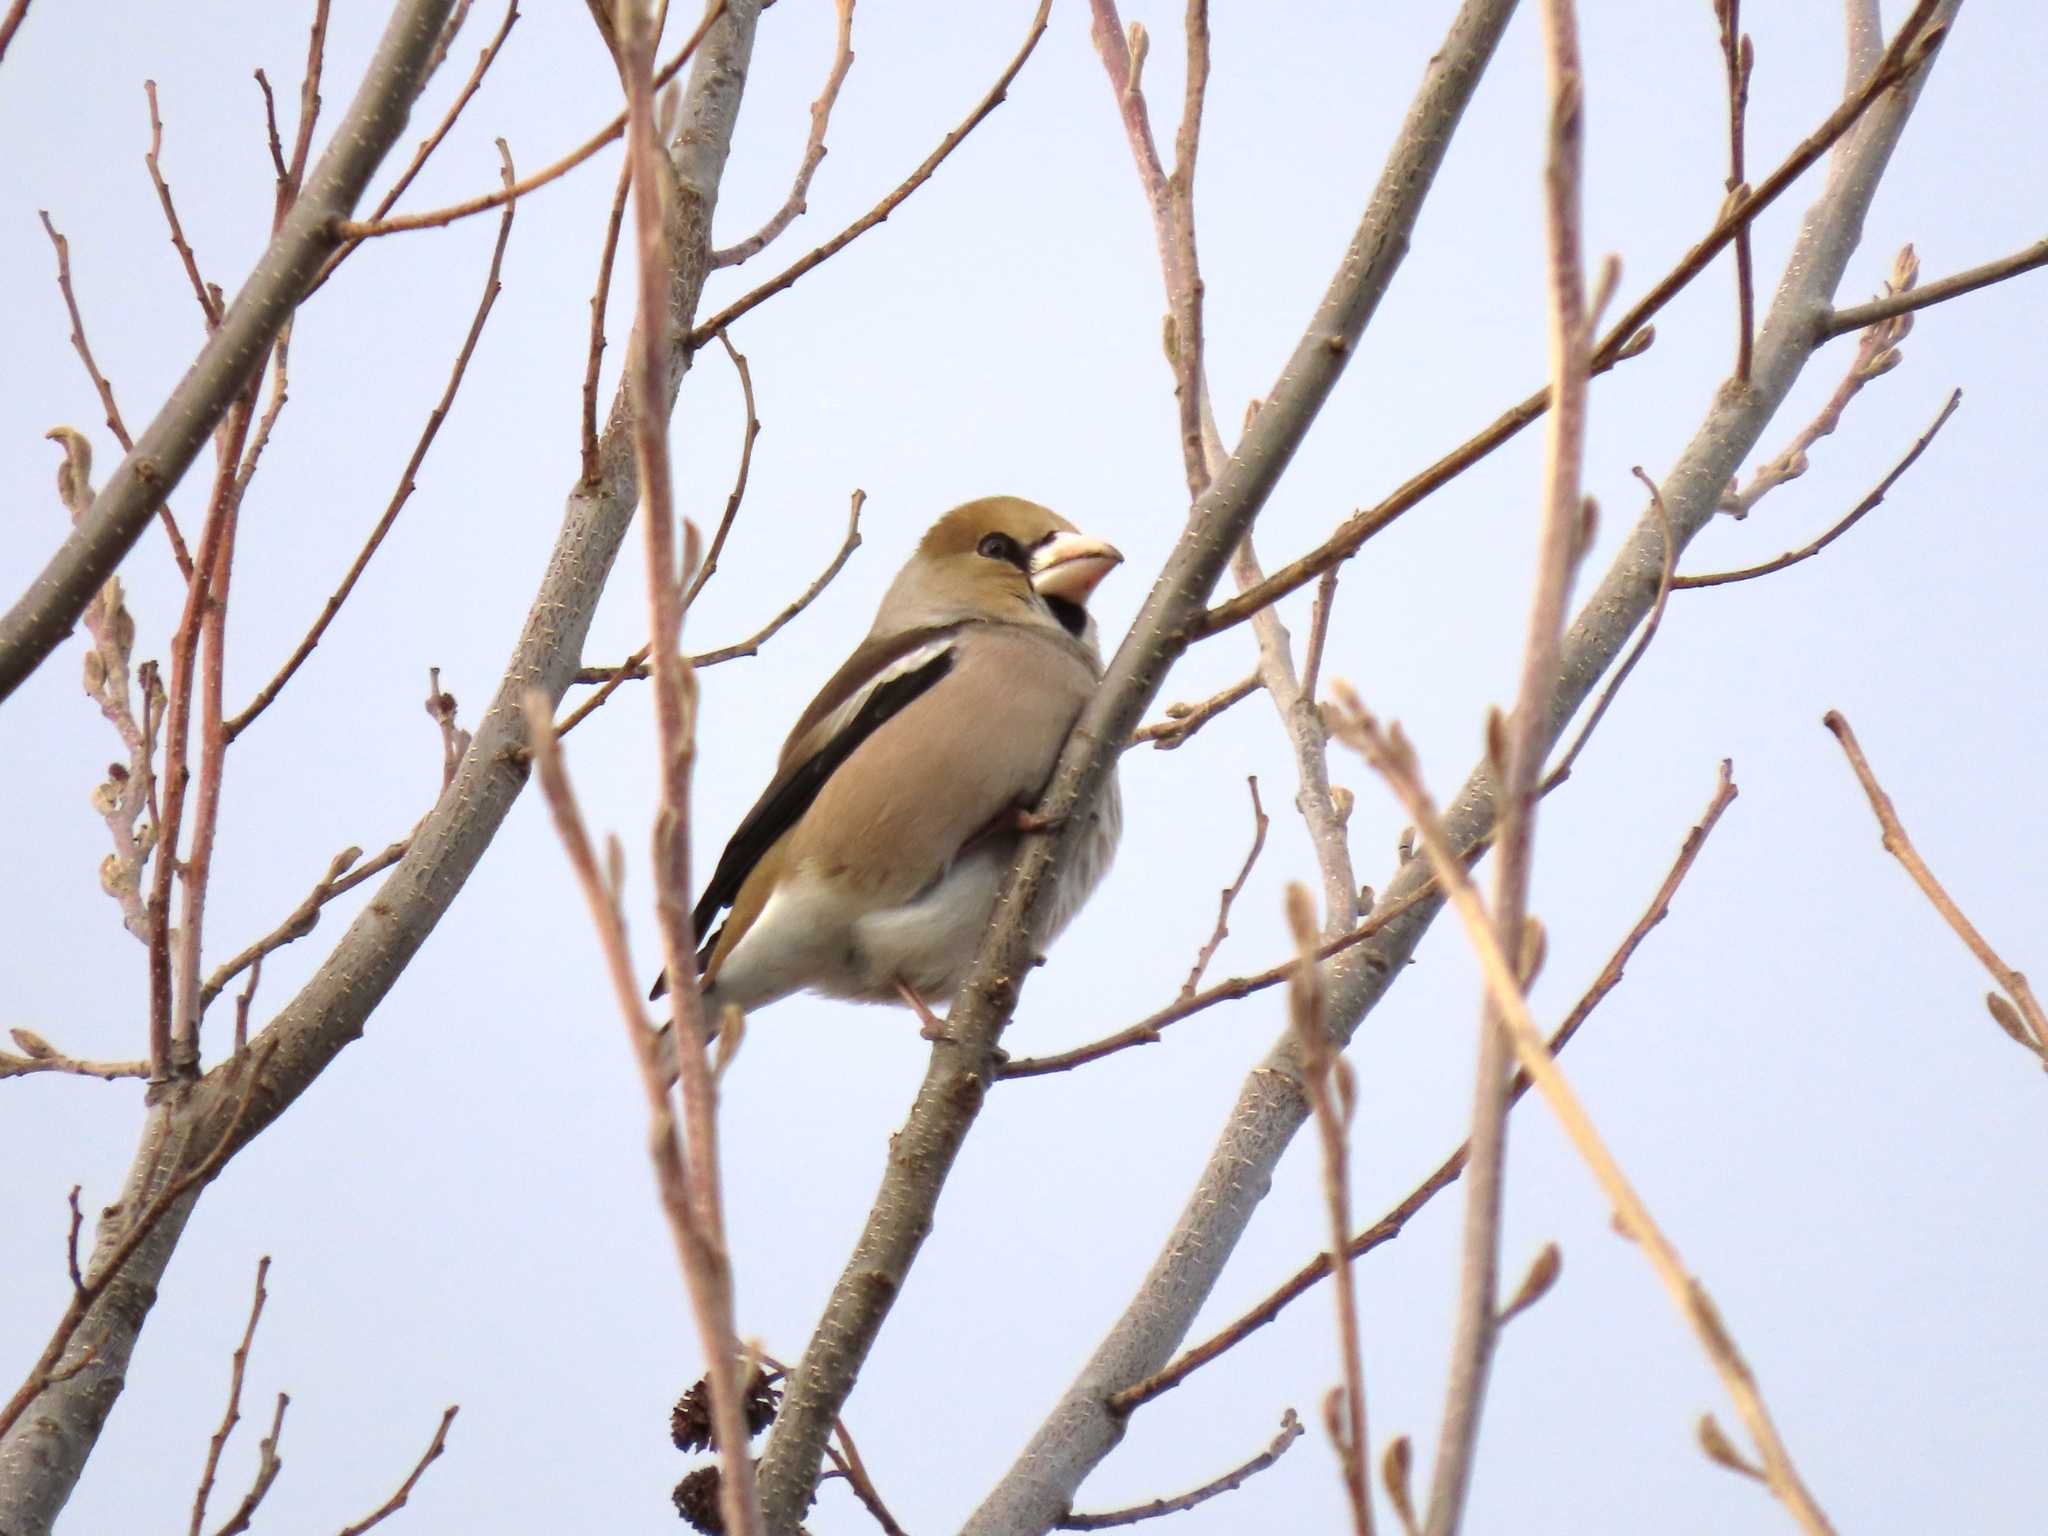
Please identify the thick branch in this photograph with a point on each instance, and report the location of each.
(41, 1459)
(46, 613)
(962, 1065)
(1270, 1108)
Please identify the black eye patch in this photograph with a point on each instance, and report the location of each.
(1000, 546)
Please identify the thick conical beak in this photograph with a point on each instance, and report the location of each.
(1068, 565)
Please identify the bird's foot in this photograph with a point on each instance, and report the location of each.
(930, 1025)
(1032, 821)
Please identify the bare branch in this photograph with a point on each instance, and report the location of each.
(396, 1502)
(748, 433)
(1739, 56)
(1877, 353)
(11, 23)
(38, 1055)
(1857, 316)
(1665, 582)
(407, 482)
(268, 1465)
(1913, 46)
(233, 1415)
(1231, 892)
(1856, 514)
(888, 205)
(1395, 760)
(962, 1065)
(46, 612)
(106, 393)
(1146, 1030)
(1332, 1094)
(634, 667)
(343, 875)
(1900, 846)
(434, 140)
(1235, 1478)
(814, 151)
(1183, 720)
(600, 298)
(209, 305)
(355, 232)
(1391, 1225)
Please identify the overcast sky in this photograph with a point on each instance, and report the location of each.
(1798, 1071)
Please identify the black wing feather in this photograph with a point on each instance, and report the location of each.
(791, 795)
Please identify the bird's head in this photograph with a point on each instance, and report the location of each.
(1000, 558)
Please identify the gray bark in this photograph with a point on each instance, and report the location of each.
(96, 545)
(952, 1092)
(1080, 1431)
(44, 1454)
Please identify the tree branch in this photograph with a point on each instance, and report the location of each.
(961, 1066)
(46, 612)
(1270, 1108)
(42, 1456)
(814, 151)
(2024, 1006)
(1842, 321)
(1229, 1482)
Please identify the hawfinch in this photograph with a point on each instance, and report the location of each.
(869, 866)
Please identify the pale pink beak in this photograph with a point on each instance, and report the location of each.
(1068, 566)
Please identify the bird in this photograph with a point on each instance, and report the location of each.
(869, 866)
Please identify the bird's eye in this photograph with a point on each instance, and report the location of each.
(1000, 546)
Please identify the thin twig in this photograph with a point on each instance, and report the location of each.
(1391, 1225)
(1738, 54)
(1665, 582)
(1395, 760)
(748, 433)
(38, 1055)
(1877, 353)
(356, 231)
(1333, 1095)
(45, 1371)
(1183, 720)
(1900, 846)
(268, 1465)
(1146, 1030)
(11, 23)
(689, 1181)
(432, 141)
(634, 667)
(237, 1366)
(600, 298)
(396, 1502)
(814, 151)
(106, 390)
(407, 479)
(1857, 316)
(343, 875)
(1235, 1478)
(847, 1458)
(1231, 892)
(1518, 765)
(209, 306)
(1856, 514)
(887, 205)
(218, 377)
(1626, 338)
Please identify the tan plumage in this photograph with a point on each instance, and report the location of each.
(873, 860)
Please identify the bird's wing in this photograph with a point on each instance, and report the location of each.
(878, 681)
(947, 767)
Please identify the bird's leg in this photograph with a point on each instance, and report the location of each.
(1031, 821)
(930, 1025)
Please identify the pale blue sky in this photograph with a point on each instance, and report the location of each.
(1798, 1071)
